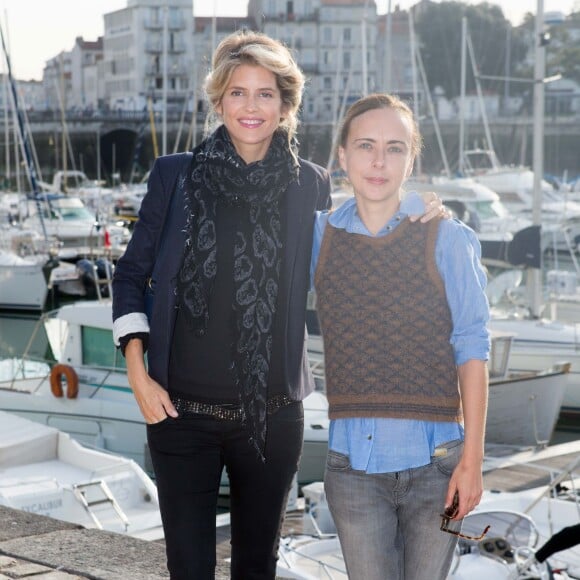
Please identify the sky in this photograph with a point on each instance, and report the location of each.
(37, 30)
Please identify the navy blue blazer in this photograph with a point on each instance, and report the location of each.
(138, 269)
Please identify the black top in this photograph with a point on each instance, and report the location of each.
(200, 366)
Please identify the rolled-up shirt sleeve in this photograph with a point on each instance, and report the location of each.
(129, 325)
(458, 256)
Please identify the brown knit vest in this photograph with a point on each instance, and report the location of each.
(386, 326)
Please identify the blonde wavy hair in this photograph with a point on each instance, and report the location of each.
(254, 48)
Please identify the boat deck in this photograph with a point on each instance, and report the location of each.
(505, 470)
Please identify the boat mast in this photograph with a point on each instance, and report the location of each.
(389, 48)
(364, 72)
(463, 83)
(165, 9)
(6, 121)
(534, 274)
(416, 111)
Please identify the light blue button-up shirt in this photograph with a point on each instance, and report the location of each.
(387, 445)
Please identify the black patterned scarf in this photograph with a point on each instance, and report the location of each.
(220, 175)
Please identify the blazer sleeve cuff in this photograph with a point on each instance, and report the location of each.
(132, 323)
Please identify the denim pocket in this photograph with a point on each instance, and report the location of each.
(448, 462)
(337, 461)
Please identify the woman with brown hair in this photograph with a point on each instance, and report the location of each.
(403, 315)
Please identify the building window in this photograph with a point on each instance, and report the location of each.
(327, 34)
(346, 60)
(346, 34)
(327, 83)
(290, 8)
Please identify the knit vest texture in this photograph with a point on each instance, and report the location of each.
(386, 325)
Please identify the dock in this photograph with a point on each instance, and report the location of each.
(37, 547)
(505, 470)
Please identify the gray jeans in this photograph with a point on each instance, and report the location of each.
(388, 523)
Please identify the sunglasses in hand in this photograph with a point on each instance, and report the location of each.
(449, 514)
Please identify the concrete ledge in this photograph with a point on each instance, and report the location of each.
(30, 539)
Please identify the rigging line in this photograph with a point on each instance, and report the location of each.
(340, 116)
(32, 145)
(181, 123)
(432, 110)
(23, 136)
(484, 118)
(67, 139)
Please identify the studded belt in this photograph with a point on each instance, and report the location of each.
(224, 411)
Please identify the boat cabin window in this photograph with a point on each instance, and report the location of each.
(99, 350)
(490, 209)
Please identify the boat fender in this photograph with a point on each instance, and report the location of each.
(71, 378)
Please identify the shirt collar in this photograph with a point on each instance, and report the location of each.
(346, 216)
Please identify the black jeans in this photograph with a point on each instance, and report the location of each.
(188, 455)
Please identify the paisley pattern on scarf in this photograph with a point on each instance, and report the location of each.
(219, 175)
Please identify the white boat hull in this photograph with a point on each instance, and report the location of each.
(45, 471)
(108, 417)
(22, 287)
(540, 344)
(524, 409)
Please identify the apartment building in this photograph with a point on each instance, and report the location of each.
(57, 81)
(334, 42)
(85, 60)
(339, 44)
(135, 62)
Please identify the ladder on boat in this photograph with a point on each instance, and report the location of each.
(106, 282)
(97, 493)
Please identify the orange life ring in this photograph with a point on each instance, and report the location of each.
(71, 377)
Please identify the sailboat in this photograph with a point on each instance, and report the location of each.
(539, 341)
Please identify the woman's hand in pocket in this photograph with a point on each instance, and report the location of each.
(152, 398)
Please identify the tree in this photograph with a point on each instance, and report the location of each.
(438, 27)
(563, 53)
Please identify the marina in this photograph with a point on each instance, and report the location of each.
(77, 485)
